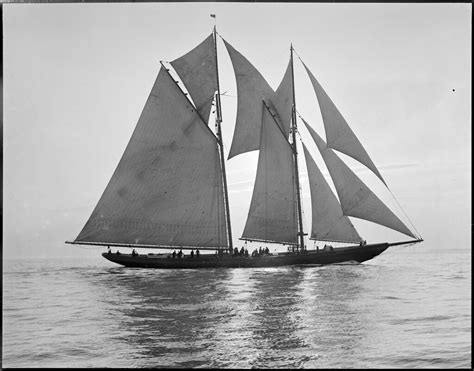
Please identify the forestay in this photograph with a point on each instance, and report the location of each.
(328, 221)
(197, 70)
(339, 135)
(167, 188)
(355, 197)
(272, 214)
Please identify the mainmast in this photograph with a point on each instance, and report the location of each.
(221, 146)
(295, 155)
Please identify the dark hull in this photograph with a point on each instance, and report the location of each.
(356, 254)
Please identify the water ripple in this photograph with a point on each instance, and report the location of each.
(391, 314)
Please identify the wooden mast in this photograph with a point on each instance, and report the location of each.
(295, 155)
(221, 146)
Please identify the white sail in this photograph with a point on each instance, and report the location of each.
(252, 88)
(328, 221)
(197, 70)
(355, 197)
(339, 135)
(272, 214)
(167, 188)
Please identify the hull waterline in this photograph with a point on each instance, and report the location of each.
(356, 254)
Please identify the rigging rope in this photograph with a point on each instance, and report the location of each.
(404, 213)
(297, 55)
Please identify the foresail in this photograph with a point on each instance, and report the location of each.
(197, 70)
(328, 221)
(355, 197)
(252, 88)
(272, 214)
(167, 188)
(339, 135)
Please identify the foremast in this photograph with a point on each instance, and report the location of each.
(221, 146)
(294, 128)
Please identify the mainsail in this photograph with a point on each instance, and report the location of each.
(328, 221)
(355, 197)
(167, 187)
(339, 135)
(272, 214)
(197, 70)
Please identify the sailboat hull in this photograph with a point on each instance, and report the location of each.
(356, 254)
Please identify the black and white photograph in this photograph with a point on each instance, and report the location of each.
(236, 185)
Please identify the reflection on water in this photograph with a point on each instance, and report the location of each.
(400, 311)
(232, 317)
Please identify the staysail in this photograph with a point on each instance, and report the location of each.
(339, 135)
(167, 188)
(328, 221)
(355, 197)
(197, 70)
(272, 214)
(252, 88)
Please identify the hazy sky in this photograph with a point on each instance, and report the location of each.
(76, 77)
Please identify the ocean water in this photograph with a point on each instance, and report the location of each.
(407, 308)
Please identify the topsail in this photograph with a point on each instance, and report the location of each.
(281, 102)
(197, 70)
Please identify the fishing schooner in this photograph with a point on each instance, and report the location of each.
(169, 190)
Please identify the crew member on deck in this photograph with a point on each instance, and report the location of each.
(192, 253)
(134, 253)
(108, 250)
(197, 253)
(174, 254)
